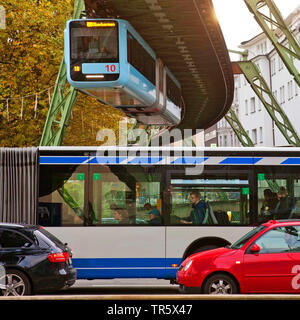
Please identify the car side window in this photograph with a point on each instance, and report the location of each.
(281, 239)
(11, 239)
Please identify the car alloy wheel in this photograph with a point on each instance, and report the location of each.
(220, 284)
(17, 284)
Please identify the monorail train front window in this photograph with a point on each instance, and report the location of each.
(95, 42)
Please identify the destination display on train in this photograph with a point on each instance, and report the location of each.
(101, 24)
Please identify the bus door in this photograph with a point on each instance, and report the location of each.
(128, 237)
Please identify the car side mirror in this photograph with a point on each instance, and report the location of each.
(255, 248)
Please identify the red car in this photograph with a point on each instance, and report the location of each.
(265, 260)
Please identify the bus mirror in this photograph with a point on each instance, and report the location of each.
(255, 248)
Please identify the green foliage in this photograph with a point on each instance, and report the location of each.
(31, 49)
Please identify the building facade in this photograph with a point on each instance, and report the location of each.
(248, 107)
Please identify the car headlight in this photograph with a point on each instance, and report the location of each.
(188, 265)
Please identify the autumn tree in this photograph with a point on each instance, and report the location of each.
(31, 49)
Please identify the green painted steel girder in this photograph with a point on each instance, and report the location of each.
(287, 53)
(63, 99)
(262, 90)
(238, 129)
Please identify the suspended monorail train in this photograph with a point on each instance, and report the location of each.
(109, 60)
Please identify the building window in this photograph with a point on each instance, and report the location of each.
(259, 103)
(254, 136)
(252, 104)
(236, 97)
(238, 81)
(273, 66)
(280, 63)
(282, 95)
(260, 134)
(290, 89)
(246, 107)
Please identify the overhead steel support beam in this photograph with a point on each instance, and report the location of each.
(63, 99)
(238, 129)
(286, 53)
(262, 90)
(231, 116)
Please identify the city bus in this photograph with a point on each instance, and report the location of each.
(80, 188)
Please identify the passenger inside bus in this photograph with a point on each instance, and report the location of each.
(197, 214)
(285, 206)
(154, 214)
(121, 216)
(269, 204)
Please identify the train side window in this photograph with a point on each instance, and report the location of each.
(140, 59)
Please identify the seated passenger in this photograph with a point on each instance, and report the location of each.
(197, 215)
(284, 206)
(154, 214)
(269, 204)
(121, 216)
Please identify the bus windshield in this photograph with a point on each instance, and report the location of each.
(94, 44)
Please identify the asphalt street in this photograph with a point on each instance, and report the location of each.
(122, 286)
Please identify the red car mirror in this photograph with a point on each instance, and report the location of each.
(255, 248)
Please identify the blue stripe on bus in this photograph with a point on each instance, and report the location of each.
(130, 273)
(62, 160)
(89, 268)
(246, 160)
(145, 160)
(106, 160)
(189, 160)
(291, 161)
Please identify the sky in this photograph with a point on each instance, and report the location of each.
(238, 23)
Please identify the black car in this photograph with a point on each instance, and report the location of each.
(33, 260)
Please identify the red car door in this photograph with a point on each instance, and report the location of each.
(268, 272)
(274, 267)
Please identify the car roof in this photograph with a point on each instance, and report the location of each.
(282, 223)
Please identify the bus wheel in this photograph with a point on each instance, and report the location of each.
(220, 284)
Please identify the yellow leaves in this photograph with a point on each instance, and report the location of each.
(88, 117)
(31, 49)
(29, 63)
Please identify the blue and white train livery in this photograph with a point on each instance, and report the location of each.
(109, 60)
